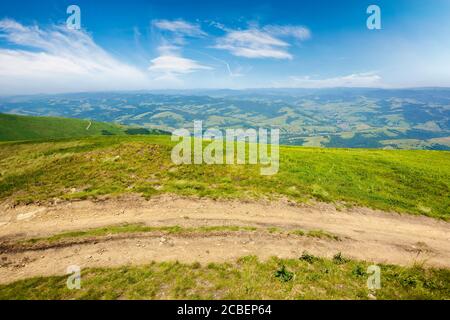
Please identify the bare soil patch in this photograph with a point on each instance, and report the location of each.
(365, 234)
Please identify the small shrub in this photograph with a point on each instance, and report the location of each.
(359, 271)
(338, 258)
(308, 257)
(283, 274)
(409, 281)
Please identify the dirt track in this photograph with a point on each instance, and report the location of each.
(365, 234)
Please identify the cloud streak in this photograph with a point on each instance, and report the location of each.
(60, 60)
(170, 66)
(298, 32)
(180, 27)
(367, 79)
(263, 42)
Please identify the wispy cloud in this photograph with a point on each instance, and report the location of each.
(367, 79)
(170, 64)
(263, 42)
(297, 32)
(57, 59)
(180, 27)
(253, 44)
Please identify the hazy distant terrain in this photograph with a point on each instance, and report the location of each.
(373, 118)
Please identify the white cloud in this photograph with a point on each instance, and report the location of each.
(217, 25)
(180, 27)
(262, 42)
(60, 60)
(170, 64)
(173, 64)
(253, 44)
(368, 79)
(298, 32)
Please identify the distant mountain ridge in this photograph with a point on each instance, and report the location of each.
(337, 117)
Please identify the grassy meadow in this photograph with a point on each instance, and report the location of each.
(14, 127)
(415, 182)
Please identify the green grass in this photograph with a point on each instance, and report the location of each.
(135, 228)
(14, 127)
(141, 228)
(25, 128)
(415, 182)
(322, 235)
(248, 278)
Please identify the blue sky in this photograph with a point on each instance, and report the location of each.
(133, 45)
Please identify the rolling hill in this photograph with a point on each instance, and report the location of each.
(15, 127)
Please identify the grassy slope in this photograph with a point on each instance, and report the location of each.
(416, 182)
(14, 127)
(305, 278)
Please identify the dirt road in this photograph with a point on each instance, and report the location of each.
(365, 234)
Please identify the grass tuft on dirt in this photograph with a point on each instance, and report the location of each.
(142, 228)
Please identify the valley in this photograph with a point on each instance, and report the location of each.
(344, 118)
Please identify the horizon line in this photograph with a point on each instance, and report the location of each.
(221, 89)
